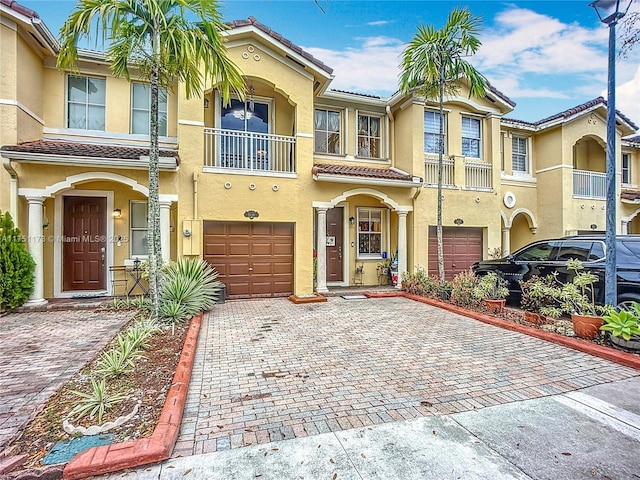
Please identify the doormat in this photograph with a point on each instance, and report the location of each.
(355, 297)
(65, 450)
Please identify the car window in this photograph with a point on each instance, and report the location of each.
(539, 252)
(576, 249)
(597, 251)
(628, 252)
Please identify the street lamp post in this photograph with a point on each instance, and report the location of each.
(609, 12)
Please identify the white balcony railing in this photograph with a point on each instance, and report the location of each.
(478, 175)
(588, 184)
(431, 171)
(258, 152)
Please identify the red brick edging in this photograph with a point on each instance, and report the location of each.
(158, 447)
(591, 348)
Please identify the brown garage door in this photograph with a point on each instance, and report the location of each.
(461, 246)
(252, 259)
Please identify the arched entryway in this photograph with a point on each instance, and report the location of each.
(518, 229)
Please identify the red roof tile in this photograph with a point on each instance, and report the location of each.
(16, 7)
(632, 195)
(356, 171)
(73, 149)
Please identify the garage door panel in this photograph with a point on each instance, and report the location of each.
(462, 247)
(265, 247)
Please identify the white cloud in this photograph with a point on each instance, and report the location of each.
(378, 23)
(628, 98)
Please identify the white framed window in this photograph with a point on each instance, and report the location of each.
(327, 131)
(141, 109)
(369, 136)
(86, 98)
(432, 137)
(471, 139)
(138, 228)
(369, 223)
(519, 159)
(626, 168)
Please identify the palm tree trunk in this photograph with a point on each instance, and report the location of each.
(440, 168)
(153, 244)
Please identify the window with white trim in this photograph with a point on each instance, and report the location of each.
(432, 137)
(519, 162)
(327, 131)
(471, 139)
(86, 98)
(370, 232)
(369, 136)
(141, 109)
(626, 168)
(138, 228)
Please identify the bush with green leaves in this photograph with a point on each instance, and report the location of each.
(16, 266)
(462, 287)
(623, 323)
(491, 287)
(191, 283)
(420, 283)
(120, 359)
(96, 402)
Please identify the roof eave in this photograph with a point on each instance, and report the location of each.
(164, 163)
(381, 182)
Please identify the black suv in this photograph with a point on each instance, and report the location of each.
(548, 256)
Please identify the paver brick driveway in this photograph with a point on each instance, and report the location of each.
(40, 351)
(269, 370)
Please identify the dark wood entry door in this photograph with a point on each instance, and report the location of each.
(334, 244)
(85, 242)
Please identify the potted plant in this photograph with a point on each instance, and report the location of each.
(493, 290)
(539, 299)
(578, 300)
(623, 327)
(444, 290)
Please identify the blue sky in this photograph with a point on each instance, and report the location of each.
(547, 55)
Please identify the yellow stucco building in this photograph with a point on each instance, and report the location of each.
(296, 171)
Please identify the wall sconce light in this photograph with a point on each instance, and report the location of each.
(117, 213)
(352, 220)
(206, 102)
(458, 221)
(593, 226)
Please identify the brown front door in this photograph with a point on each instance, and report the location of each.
(334, 244)
(84, 243)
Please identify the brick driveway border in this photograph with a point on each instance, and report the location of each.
(268, 370)
(40, 352)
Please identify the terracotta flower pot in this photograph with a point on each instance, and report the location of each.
(586, 326)
(494, 306)
(534, 318)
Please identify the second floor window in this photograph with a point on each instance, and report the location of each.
(86, 102)
(369, 136)
(432, 137)
(626, 168)
(471, 137)
(327, 131)
(141, 110)
(519, 155)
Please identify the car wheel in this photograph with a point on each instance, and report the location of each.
(625, 301)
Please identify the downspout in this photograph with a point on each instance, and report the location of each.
(392, 136)
(13, 188)
(195, 195)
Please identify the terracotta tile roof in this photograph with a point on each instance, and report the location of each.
(632, 141)
(575, 110)
(632, 195)
(73, 149)
(276, 36)
(356, 171)
(355, 93)
(498, 93)
(16, 7)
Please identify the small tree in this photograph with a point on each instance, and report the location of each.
(16, 266)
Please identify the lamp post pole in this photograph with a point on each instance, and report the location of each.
(610, 15)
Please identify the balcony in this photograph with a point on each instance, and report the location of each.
(588, 184)
(477, 175)
(249, 152)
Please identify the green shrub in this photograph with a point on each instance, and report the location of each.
(96, 402)
(190, 282)
(420, 283)
(463, 286)
(491, 287)
(16, 266)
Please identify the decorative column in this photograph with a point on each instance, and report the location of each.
(165, 229)
(506, 241)
(625, 227)
(35, 244)
(402, 245)
(321, 250)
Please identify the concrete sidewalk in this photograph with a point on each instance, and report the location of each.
(586, 434)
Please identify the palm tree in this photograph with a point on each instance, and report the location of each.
(155, 39)
(433, 65)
